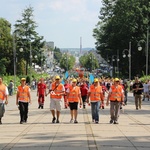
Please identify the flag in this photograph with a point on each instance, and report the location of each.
(63, 82)
(66, 74)
(91, 79)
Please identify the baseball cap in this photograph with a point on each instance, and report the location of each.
(74, 80)
(116, 80)
(57, 77)
(23, 79)
(95, 80)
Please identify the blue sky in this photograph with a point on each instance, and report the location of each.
(61, 21)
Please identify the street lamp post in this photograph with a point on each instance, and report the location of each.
(117, 59)
(146, 47)
(92, 62)
(66, 60)
(118, 62)
(147, 44)
(109, 60)
(14, 53)
(129, 56)
(30, 61)
(15, 56)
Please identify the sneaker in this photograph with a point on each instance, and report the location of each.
(21, 122)
(53, 121)
(39, 106)
(57, 121)
(93, 120)
(116, 122)
(96, 122)
(111, 121)
(42, 107)
(71, 121)
(75, 121)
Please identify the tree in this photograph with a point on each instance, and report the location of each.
(57, 54)
(67, 62)
(6, 51)
(89, 61)
(121, 22)
(28, 38)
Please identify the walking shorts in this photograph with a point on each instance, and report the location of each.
(73, 105)
(55, 104)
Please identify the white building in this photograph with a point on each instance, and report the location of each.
(49, 54)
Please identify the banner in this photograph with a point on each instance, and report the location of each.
(66, 74)
(91, 79)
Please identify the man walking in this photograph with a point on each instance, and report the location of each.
(23, 99)
(56, 91)
(116, 98)
(137, 90)
(3, 98)
(11, 88)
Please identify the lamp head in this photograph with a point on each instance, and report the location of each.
(21, 49)
(139, 48)
(124, 55)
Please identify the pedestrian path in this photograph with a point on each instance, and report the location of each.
(132, 132)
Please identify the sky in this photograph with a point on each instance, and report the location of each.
(60, 21)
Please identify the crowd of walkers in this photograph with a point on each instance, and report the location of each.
(77, 92)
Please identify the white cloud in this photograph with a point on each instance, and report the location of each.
(58, 20)
(76, 10)
(67, 5)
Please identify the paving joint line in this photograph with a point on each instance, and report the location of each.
(90, 136)
(138, 122)
(27, 129)
(56, 131)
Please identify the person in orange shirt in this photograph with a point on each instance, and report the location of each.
(3, 98)
(73, 98)
(95, 95)
(23, 99)
(116, 98)
(56, 91)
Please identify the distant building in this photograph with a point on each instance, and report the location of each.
(50, 44)
(76, 52)
(49, 54)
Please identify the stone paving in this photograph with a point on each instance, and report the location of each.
(132, 132)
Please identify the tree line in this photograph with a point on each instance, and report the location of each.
(121, 22)
(21, 45)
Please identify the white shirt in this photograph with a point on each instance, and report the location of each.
(146, 87)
